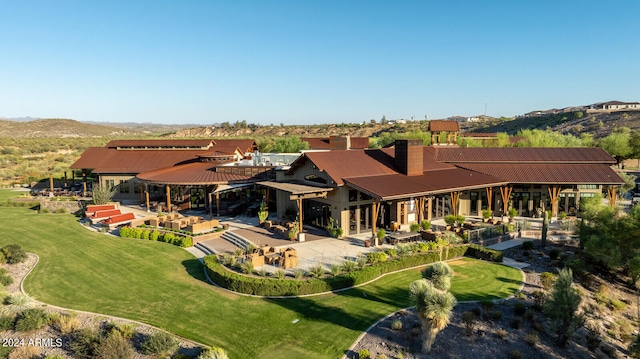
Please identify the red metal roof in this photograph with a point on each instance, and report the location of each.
(104, 160)
(388, 187)
(323, 143)
(523, 155)
(159, 143)
(196, 173)
(555, 173)
(231, 144)
(444, 125)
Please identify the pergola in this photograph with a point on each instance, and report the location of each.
(298, 192)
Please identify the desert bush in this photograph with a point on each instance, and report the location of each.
(316, 271)
(160, 344)
(7, 322)
(414, 227)
(61, 210)
(5, 278)
(262, 272)
(515, 354)
(532, 338)
(547, 279)
(501, 333)
(391, 252)
(114, 346)
(634, 348)
(13, 253)
(527, 245)
(349, 266)
(54, 356)
(279, 273)
(31, 319)
(17, 303)
(376, 257)
(554, 254)
(25, 352)
(247, 267)
(469, 319)
(496, 315)
(539, 298)
(396, 324)
(519, 308)
(335, 270)
(68, 323)
(361, 261)
(364, 354)
(213, 353)
(83, 343)
(298, 273)
(425, 225)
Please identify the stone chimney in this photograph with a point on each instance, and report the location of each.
(339, 143)
(409, 154)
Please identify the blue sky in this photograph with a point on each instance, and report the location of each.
(305, 62)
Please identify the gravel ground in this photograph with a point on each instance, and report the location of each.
(525, 335)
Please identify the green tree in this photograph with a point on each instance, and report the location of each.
(434, 307)
(562, 307)
(617, 144)
(102, 193)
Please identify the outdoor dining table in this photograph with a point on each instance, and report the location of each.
(401, 237)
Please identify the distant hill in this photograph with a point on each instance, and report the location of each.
(60, 128)
(598, 124)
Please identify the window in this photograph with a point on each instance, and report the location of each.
(124, 187)
(587, 186)
(353, 195)
(109, 183)
(586, 195)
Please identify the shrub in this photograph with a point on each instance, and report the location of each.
(396, 324)
(450, 219)
(480, 252)
(25, 352)
(425, 225)
(31, 319)
(376, 257)
(6, 322)
(14, 253)
(496, 315)
(316, 271)
(18, 302)
(83, 343)
(335, 270)
(519, 308)
(414, 227)
(617, 305)
(364, 354)
(114, 346)
(469, 319)
(61, 210)
(634, 348)
(349, 266)
(532, 338)
(5, 278)
(279, 273)
(391, 252)
(554, 254)
(527, 245)
(539, 298)
(213, 353)
(515, 354)
(298, 273)
(547, 279)
(247, 267)
(159, 343)
(54, 356)
(501, 333)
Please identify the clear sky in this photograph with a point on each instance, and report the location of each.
(304, 61)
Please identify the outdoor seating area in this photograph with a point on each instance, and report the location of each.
(267, 255)
(118, 220)
(193, 224)
(280, 228)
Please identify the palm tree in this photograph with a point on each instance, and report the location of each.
(434, 307)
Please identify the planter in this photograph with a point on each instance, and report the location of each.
(367, 243)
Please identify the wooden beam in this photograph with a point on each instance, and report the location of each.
(300, 215)
(554, 193)
(295, 197)
(455, 197)
(505, 193)
(375, 210)
(168, 193)
(421, 203)
(489, 191)
(51, 182)
(611, 192)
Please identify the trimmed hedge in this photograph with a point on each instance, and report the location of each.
(487, 254)
(155, 235)
(288, 287)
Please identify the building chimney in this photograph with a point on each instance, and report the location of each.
(339, 143)
(409, 157)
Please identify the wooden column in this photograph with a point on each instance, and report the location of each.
(146, 195)
(142, 195)
(505, 193)
(554, 193)
(489, 199)
(168, 191)
(51, 182)
(429, 208)
(421, 201)
(375, 210)
(611, 191)
(299, 200)
(455, 197)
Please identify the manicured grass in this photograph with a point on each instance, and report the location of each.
(163, 285)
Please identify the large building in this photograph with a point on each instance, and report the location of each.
(364, 189)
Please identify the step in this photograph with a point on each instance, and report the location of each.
(204, 249)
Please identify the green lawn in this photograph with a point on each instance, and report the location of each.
(163, 285)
